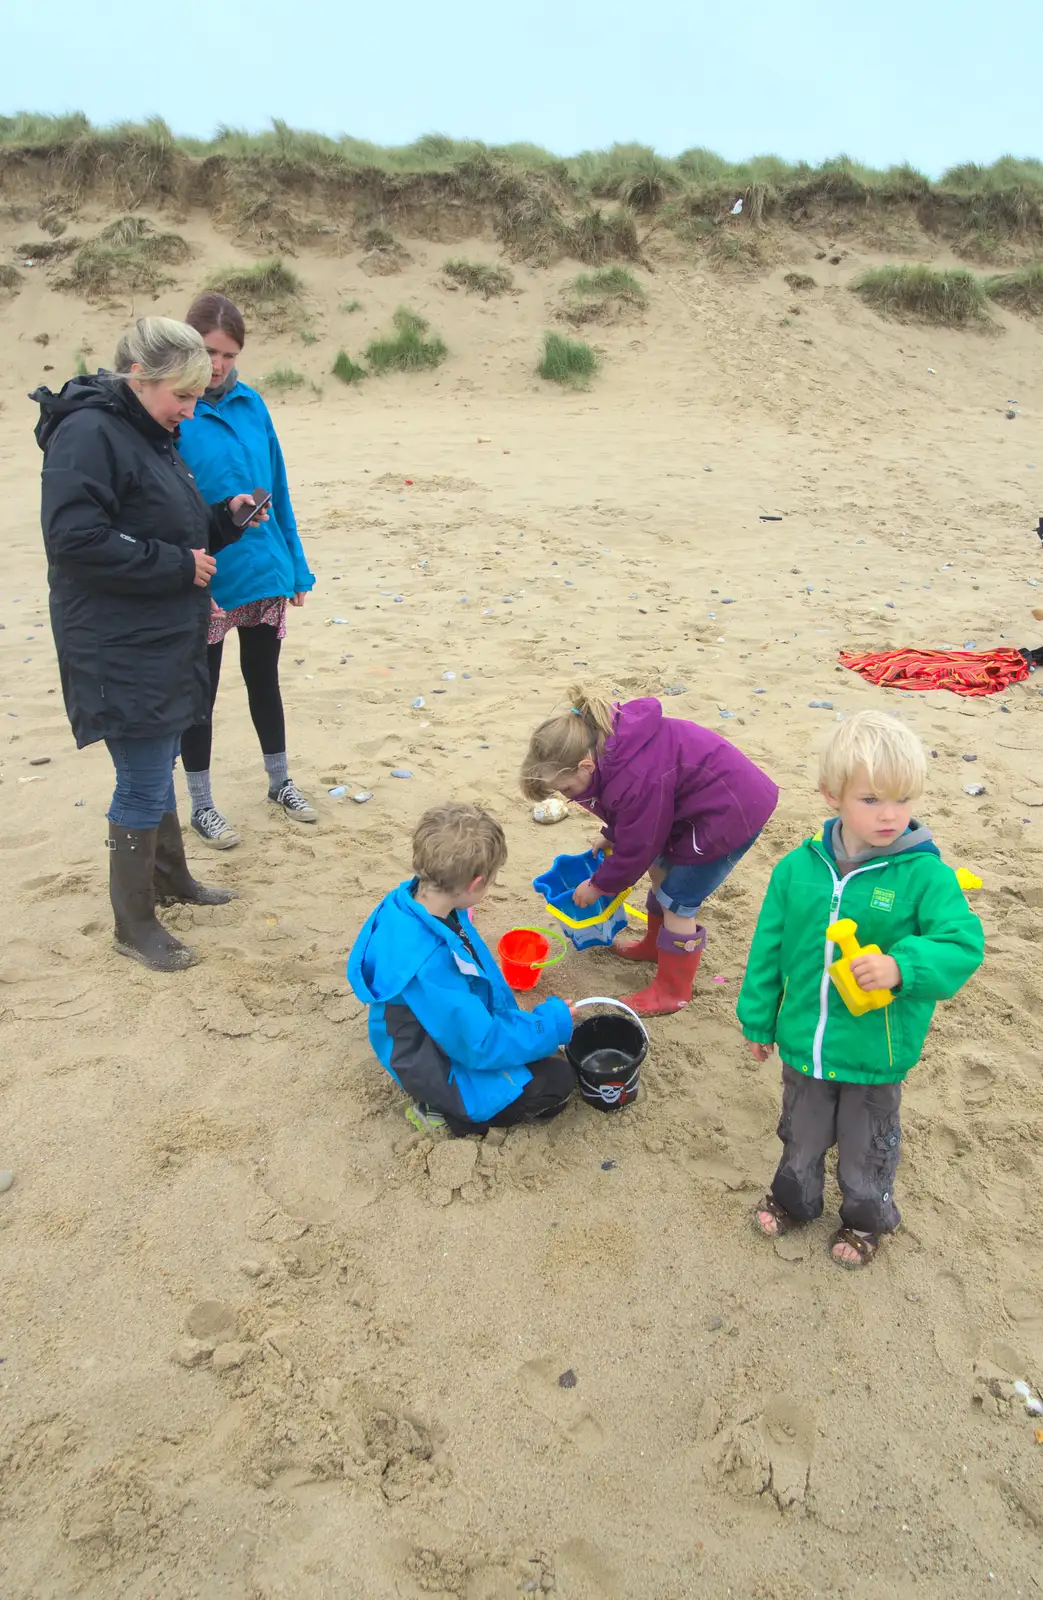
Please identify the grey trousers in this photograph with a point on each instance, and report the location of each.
(862, 1120)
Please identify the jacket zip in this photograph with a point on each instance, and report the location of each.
(839, 885)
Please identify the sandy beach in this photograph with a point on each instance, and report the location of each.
(218, 1156)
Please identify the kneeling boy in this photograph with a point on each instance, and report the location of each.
(441, 1018)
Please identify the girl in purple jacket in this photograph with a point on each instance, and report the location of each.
(678, 802)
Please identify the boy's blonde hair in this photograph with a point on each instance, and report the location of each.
(456, 843)
(889, 753)
(562, 742)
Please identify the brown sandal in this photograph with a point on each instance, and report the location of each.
(783, 1221)
(867, 1246)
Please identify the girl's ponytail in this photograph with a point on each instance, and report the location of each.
(559, 745)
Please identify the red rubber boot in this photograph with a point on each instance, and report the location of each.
(671, 988)
(645, 948)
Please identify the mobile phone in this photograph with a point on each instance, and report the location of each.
(246, 514)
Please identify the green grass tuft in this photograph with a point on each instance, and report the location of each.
(48, 249)
(266, 284)
(617, 283)
(567, 361)
(282, 379)
(955, 297)
(477, 278)
(82, 369)
(308, 338)
(351, 306)
(346, 370)
(1020, 291)
(408, 351)
(126, 257)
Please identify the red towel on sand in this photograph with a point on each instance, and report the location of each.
(971, 672)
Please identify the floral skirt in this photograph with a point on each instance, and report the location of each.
(270, 612)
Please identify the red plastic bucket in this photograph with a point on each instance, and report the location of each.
(523, 954)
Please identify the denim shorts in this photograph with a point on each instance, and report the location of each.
(684, 888)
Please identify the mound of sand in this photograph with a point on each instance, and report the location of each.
(261, 1339)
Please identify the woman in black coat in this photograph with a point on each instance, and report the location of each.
(129, 540)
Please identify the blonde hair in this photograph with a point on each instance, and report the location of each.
(889, 753)
(166, 351)
(456, 843)
(562, 742)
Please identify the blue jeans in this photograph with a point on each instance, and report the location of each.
(144, 780)
(684, 888)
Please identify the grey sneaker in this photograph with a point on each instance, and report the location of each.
(293, 802)
(214, 829)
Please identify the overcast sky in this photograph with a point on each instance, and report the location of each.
(923, 81)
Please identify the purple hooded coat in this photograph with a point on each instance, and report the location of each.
(669, 788)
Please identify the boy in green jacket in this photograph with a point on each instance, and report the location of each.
(842, 1074)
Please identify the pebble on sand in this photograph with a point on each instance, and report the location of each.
(6, 1180)
(821, 705)
(401, 772)
(675, 688)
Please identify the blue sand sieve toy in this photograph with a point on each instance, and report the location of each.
(586, 926)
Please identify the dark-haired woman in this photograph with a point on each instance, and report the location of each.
(231, 447)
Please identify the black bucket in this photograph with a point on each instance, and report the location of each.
(607, 1052)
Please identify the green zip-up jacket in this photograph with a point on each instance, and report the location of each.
(909, 903)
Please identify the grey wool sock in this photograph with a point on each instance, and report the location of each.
(199, 791)
(278, 771)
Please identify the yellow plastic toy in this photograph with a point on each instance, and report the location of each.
(858, 1000)
(967, 881)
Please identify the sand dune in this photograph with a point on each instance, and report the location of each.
(394, 1317)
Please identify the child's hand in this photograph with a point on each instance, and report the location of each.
(877, 972)
(759, 1052)
(585, 894)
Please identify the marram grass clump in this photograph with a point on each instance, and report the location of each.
(479, 278)
(282, 379)
(925, 294)
(569, 362)
(346, 370)
(265, 284)
(407, 350)
(614, 283)
(1020, 291)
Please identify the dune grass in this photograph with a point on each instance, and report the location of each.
(44, 250)
(10, 278)
(1020, 291)
(478, 278)
(281, 380)
(569, 362)
(351, 306)
(634, 173)
(616, 283)
(346, 370)
(799, 281)
(407, 350)
(265, 284)
(126, 257)
(924, 294)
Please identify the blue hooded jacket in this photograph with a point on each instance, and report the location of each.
(231, 448)
(450, 1032)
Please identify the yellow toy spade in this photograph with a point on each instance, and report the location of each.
(858, 1000)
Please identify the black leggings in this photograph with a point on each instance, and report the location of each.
(259, 659)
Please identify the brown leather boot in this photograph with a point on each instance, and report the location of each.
(138, 933)
(175, 884)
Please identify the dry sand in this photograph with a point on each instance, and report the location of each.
(394, 1317)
